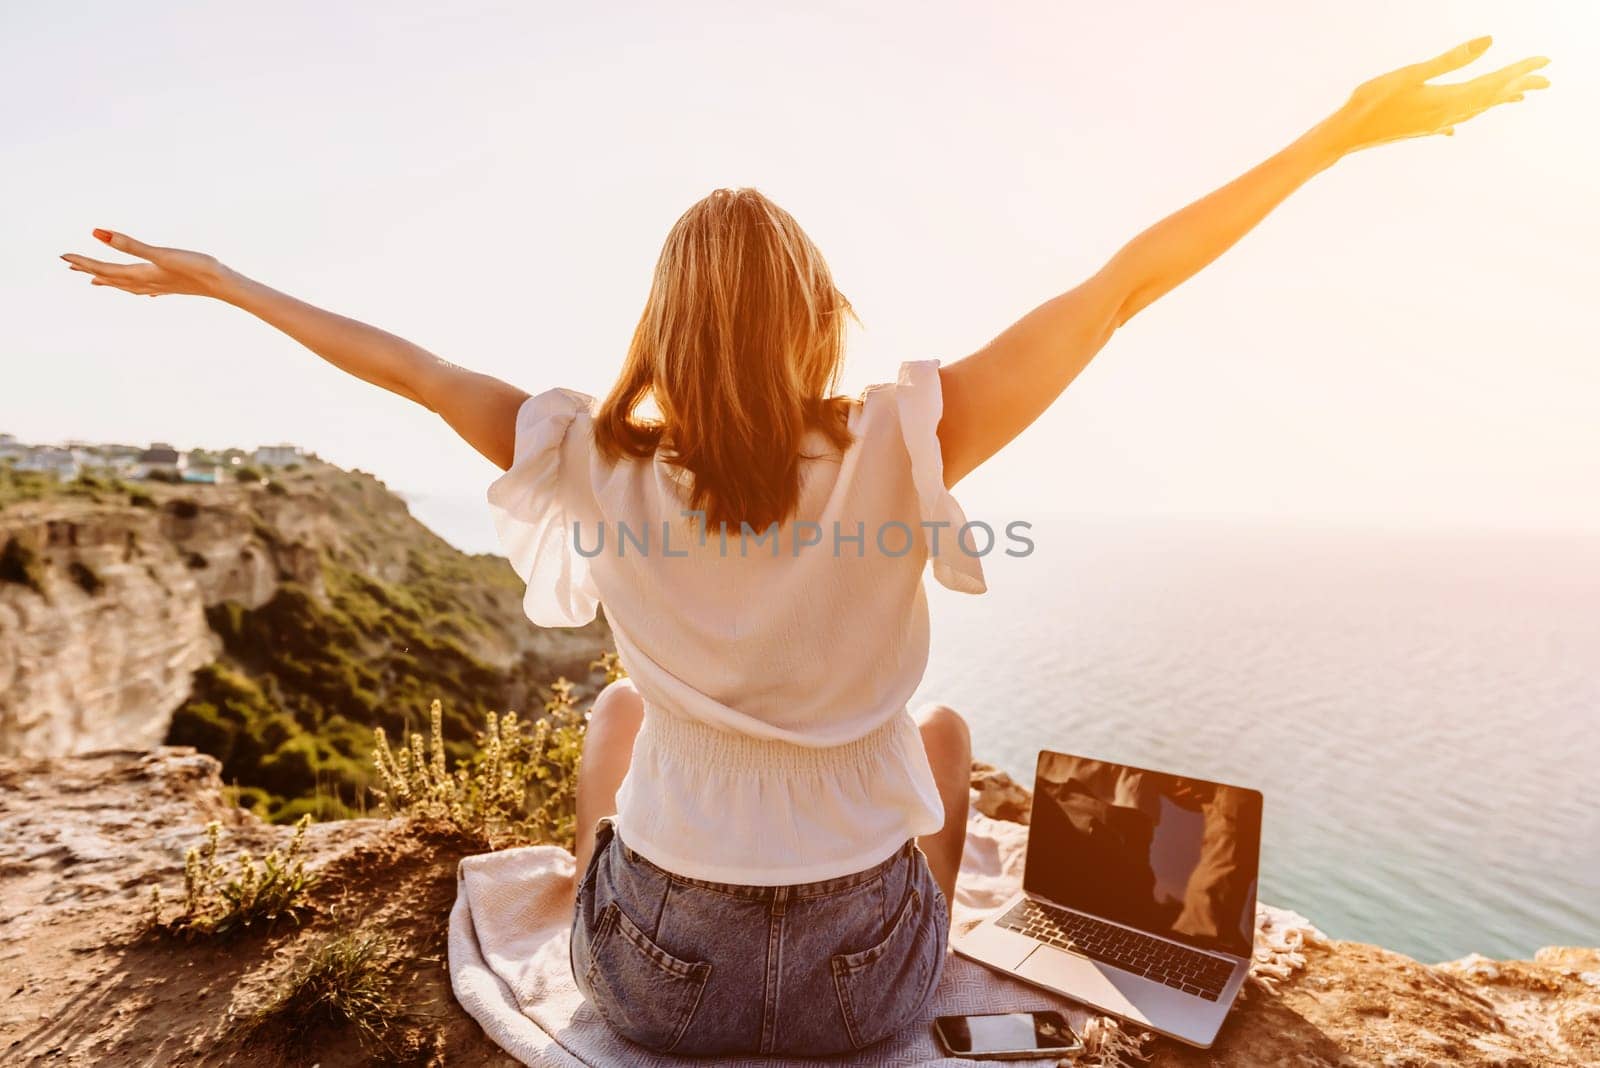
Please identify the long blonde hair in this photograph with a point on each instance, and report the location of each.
(739, 346)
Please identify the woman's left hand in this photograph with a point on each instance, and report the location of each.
(1401, 104)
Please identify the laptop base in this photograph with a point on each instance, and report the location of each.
(1140, 1001)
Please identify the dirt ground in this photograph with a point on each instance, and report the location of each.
(86, 983)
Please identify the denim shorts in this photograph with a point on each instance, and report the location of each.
(688, 966)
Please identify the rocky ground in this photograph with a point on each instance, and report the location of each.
(83, 839)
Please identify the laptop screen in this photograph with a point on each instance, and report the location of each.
(1173, 856)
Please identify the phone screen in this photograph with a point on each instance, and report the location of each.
(1008, 1032)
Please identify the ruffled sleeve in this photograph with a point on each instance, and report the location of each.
(532, 514)
(919, 400)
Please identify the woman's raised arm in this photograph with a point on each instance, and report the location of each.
(998, 391)
(483, 410)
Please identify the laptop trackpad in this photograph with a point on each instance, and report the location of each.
(1077, 976)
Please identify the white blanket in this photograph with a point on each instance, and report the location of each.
(509, 969)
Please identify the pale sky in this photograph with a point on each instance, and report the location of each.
(1410, 340)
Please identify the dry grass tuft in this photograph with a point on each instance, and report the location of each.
(257, 892)
(351, 979)
(519, 786)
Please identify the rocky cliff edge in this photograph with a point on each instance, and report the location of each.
(83, 840)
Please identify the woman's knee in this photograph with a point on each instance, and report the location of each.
(945, 728)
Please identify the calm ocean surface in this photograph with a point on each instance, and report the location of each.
(1421, 710)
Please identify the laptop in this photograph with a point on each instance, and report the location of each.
(1138, 895)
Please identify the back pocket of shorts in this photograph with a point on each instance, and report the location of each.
(881, 988)
(644, 993)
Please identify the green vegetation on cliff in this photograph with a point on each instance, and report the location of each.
(290, 708)
(336, 612)
(18, 486)
(333, 611)
(390, 619)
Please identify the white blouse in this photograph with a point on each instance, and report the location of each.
(775, 667)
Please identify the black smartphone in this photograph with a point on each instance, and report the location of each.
(1008, 1035)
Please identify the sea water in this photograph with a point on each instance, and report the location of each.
(1420, 709)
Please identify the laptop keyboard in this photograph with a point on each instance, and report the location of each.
(1164, 962)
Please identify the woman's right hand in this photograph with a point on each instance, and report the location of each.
(483, 410)
(1400, 104)
(165, 270)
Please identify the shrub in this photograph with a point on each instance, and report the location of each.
(610, 664)
(228, 716)
(246, 473)
(140, 499)
(251, 798)
(291, 770)
(18, 486)
(276, 488)
(87, 484)
(518, 786)
(183, 508)
(263, 891)
(349, 979)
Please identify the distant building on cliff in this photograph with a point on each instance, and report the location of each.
(51, 460)
(122, 459)
(160, 461)
(118, 460)
(277, 455)
(207, 473)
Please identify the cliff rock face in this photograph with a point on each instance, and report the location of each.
(101, 648)
(104, 598)
(83, 839)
